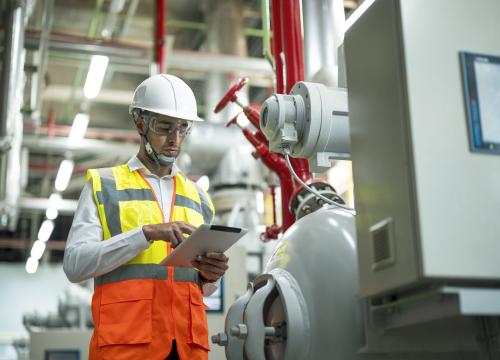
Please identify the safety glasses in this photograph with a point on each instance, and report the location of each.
(168, 127)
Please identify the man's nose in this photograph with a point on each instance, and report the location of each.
(175, 137)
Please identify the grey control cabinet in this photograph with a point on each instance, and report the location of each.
(428, 208)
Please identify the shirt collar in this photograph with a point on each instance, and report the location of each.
(135, 164)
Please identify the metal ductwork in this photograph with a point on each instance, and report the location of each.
(14, 18)
(225, 35)
(207, 144)
(324, 22)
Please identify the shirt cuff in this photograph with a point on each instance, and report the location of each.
(137, 240)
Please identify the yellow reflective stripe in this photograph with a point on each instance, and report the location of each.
(95, 180)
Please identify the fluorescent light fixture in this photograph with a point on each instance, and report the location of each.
(204, 182)
(38, 249)
(55, 200)
(79, 128)
(64, 174)
(31, 265)
(97, 69)
(45, 230)
(51, 213)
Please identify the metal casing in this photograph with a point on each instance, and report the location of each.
(427, 207)
(312, 122)
(319, 252)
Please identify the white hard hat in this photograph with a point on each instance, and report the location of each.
(168, 95)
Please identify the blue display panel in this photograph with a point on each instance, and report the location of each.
(62, 355)
(481, 76)
(215, 302)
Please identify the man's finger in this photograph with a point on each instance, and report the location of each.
(217, 255)
(204, 267)
(185, 228)
(214, 262)
(178, 237)
(210, 268)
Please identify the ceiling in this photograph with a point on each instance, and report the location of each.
(204, 37)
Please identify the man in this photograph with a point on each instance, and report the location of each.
(128, 219)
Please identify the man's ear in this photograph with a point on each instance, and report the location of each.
(140, 124)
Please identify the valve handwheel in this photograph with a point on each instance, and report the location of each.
(230, 95)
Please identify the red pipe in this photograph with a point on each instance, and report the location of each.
(52, 168)
(275, 163)
(160, 35)
(51, 123)
(291, 32)
(91, 133)
(273, 196)
(254, 116)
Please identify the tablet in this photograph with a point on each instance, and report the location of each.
(206, 238)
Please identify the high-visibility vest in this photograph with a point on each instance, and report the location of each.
(140, 307)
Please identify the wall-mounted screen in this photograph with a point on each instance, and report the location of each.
(62, 355)
(215, 302)
(481, 76)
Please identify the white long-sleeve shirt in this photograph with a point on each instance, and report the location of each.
(87, 256)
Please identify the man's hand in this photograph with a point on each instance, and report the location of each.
(212, 265)
(170, 232)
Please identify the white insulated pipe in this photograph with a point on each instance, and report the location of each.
(323, 22)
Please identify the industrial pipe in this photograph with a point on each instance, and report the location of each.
(287, 29)
(160, 36)
(10, 116)
(12, 66)
(293, 48)
(276, 164)
(324, 22)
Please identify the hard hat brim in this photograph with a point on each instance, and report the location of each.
(166, 113)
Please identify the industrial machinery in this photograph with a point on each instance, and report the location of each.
(324, 135)
(64, 334)
(413, 274)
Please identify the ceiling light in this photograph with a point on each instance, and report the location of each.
(64, 174)
(95, 76)
(31, 265)
(79, 128)
(55, 200)
(51, 213)
(38, 249)
(45, 230)
(203, 182)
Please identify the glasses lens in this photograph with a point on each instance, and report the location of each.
(167, 127)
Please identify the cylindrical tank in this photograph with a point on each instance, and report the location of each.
(305, 305)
